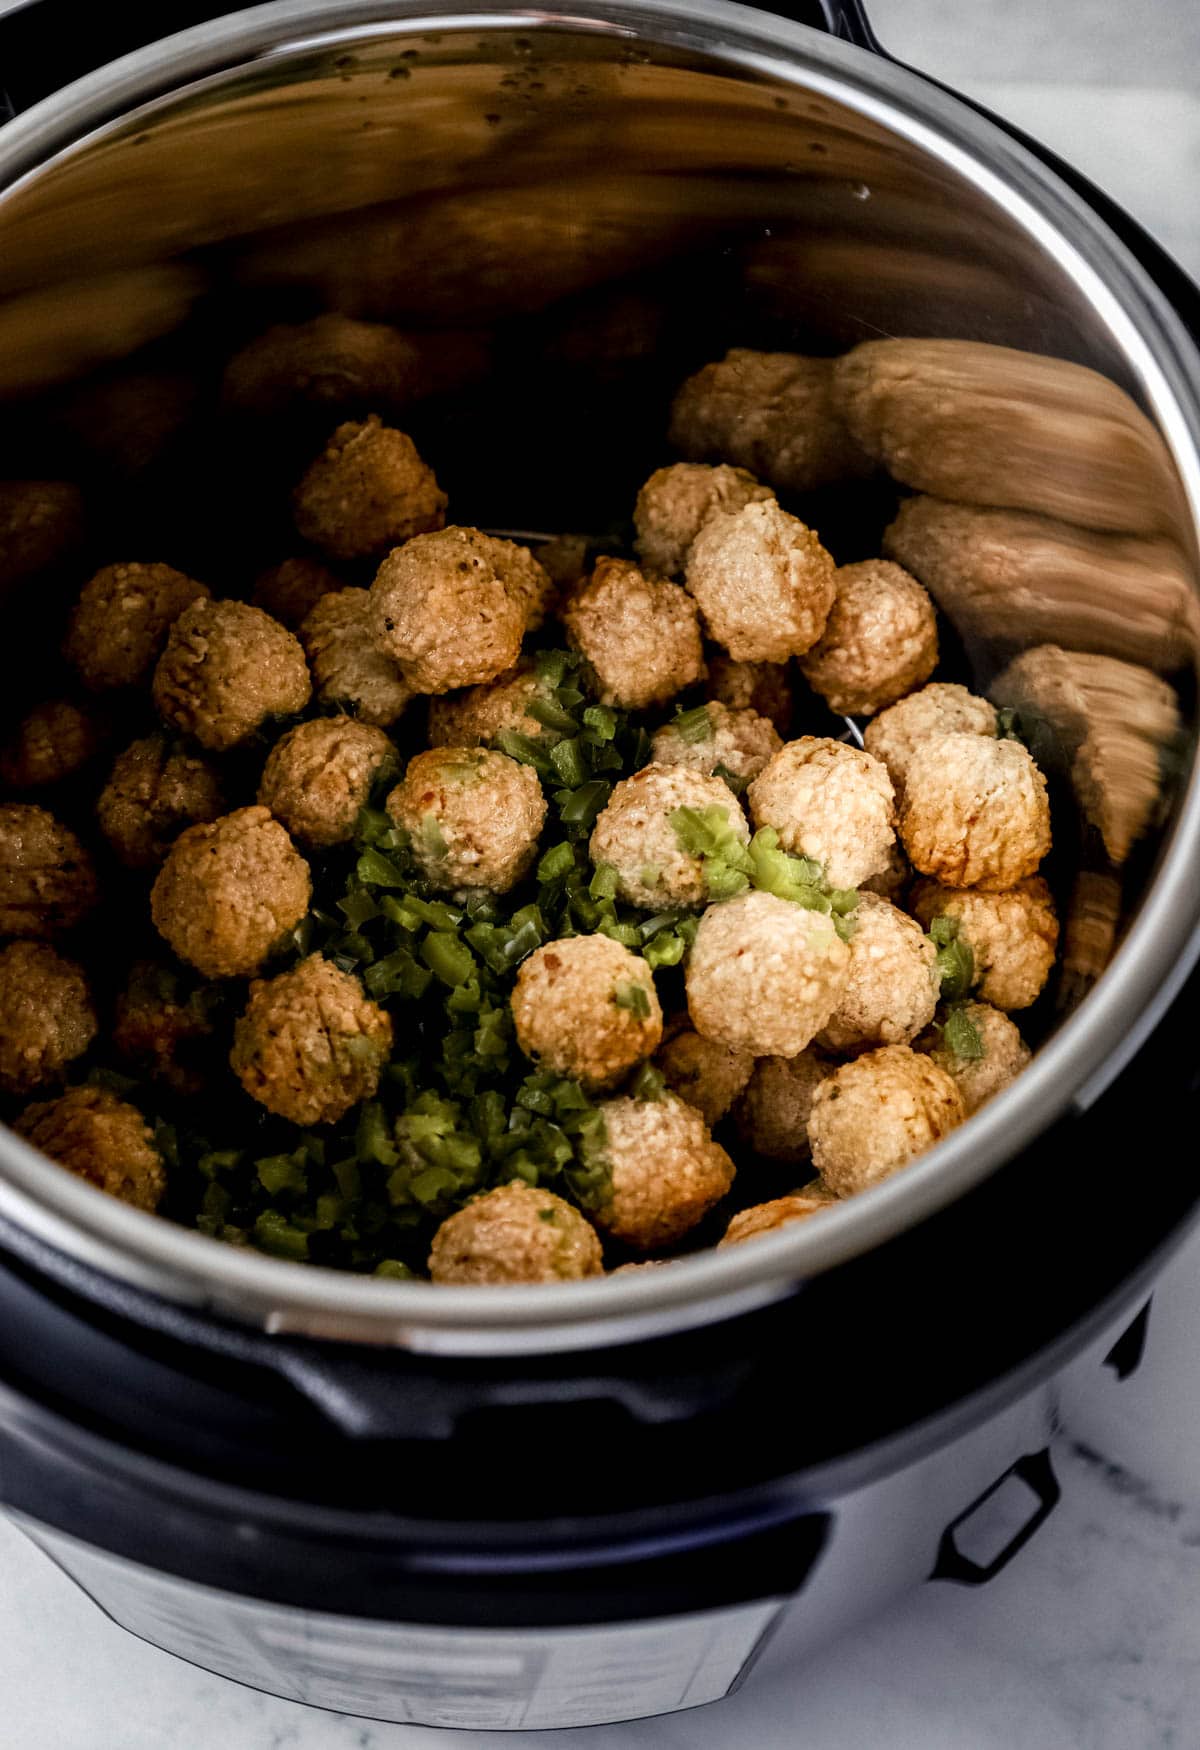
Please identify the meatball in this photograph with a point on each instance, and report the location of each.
(524, 576)
(163, 1029)
(975, 811)
(773, 1112)
(876, 1113)
(291, 590)
(674, 504)
(763, 582)
(230, 892)
(40, 521)
(707, 1075)
(348, 666)
(474, 817)
(771, 412)
(764, 975)
(443, 611)
(939, 709)
(764, 1218)
(330, 362)
(55, 741)
(119, 625)
(636, 834)
(516, 1233)
(309, 1044)
(1012, 935)
(763, 687)
(318, 777)
(367, 492)
(46, 1016)
(880, 640)
(663, 1171)
(477, 715)
(155, 789)
(586, 1008)
(892, 987)
(47, 882)
(101, 1139)
(892, 879)
(711, 736)
(639, 635)
(1002, 1054)
(830, 802)
(226, 669)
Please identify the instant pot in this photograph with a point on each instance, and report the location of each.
(508, 1508)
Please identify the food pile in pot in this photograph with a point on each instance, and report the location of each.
(490, 898)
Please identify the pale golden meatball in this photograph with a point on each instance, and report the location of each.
(763, 582)
(994, 1054)
(291, 590)
(1012, 935)
(155, 789)
(880, 640)
(830, 802)
(473, 815)
(226, 669)
(516, 1233)
(636, 835)
(771, 412)
(53, 742)
(46, 1016)
(477, 715)
(707, 1075)
(309, 1044)
(586, 1008)
(662, 1171)
(318, 777)
(47, 881)
(367, 492)
(975, 811)
(941, 708)
(348, 667)
(764, 975)
(773, 1112)
(101, 1139)
(329, 362)
(764, 687)
(765, 1218)
(164, 1029)
(119, 626)
(444, 613)
(876, 1113)
(892, 987)
(674, 504)
(524, 576)
(639, 635)
(711, 737)
(230, 893)
(40, 521)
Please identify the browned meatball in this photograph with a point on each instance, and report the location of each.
(442, 608)
(830, 802)
(880, 640)
(101, 1139)
(54, 742)
(516, 1233)
(663, 1171)
(637, 834)
(975, 811)
(995, 1053)
(154, 791)
(892, 986)
(772, 1115)
(163, 1029)
(764, 1218)
(47, 882)
(473, 815)
(707, 1075)
(230, 892)
(764, 975)
(348, 666)
(226, 669)
(291, 590)
(46, 1016)
(586, 1008)
(40, 521)
(120, 623)
(309, 1044)
(763, 582)
(942, 708)
(639, 635)
(318, 777)
(718, 742)
(875, 1114)
(367, 492)
(480, 714)
(331, 361)
(674, 504)
(764, 687)
(1012, 935)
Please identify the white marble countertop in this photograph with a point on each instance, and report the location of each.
(1090, 1640)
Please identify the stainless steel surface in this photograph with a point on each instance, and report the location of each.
(804, 191)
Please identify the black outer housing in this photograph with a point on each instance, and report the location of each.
(604, 1486)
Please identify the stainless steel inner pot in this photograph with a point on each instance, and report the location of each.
(453, 170)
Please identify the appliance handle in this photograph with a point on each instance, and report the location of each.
(1036, 1471)
(843, 18)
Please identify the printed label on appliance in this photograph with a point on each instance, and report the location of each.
(489, 1679)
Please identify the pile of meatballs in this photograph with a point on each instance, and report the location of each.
(811, 1039)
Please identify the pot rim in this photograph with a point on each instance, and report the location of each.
(1072, 1068)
